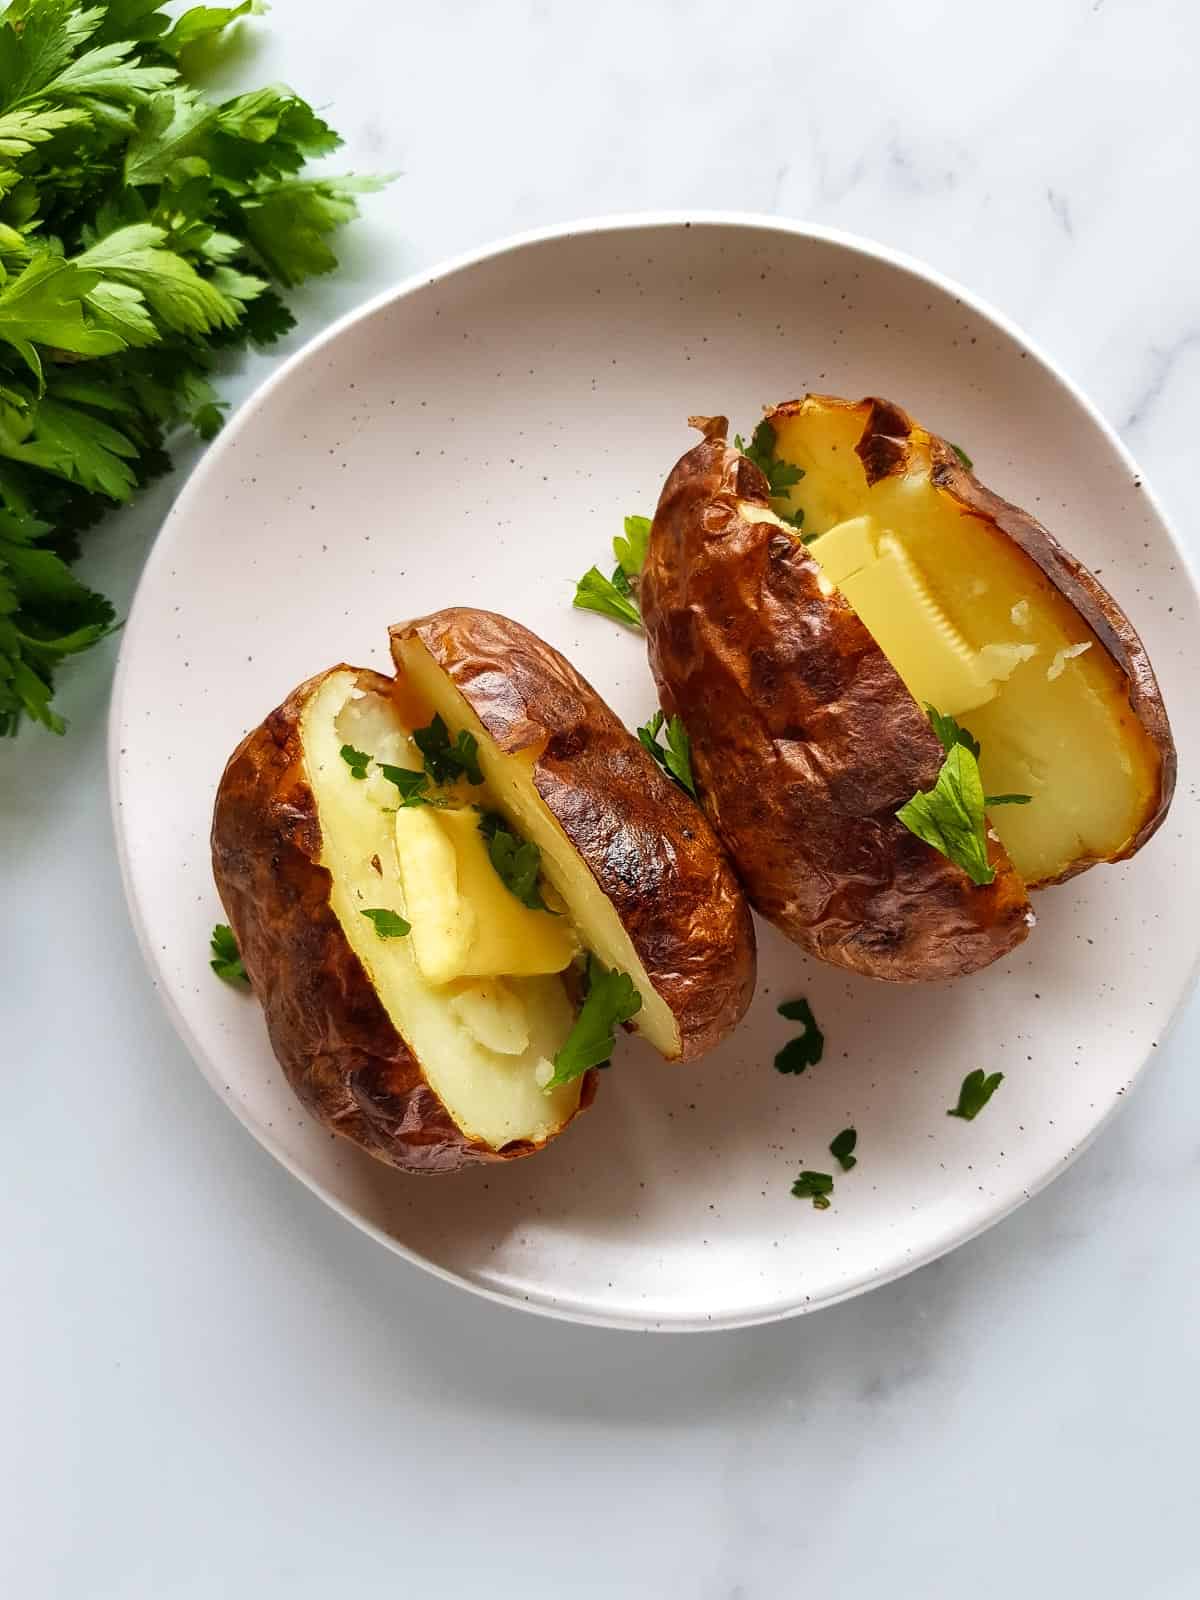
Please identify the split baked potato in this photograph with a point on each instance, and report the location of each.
(449, 886)
(818, 629)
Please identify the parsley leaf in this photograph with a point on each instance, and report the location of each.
(595, 592)
(630, 551)
(676, 759)
(446, 762)
(974, 1094)
(950, 732)
(962, 456)
(990, 800)
(842, 1146)
(226, 957)
(807, 1049)
(357, 760)
(780, 475)
(814, 1186)
(611, 999)
(387, 924)
(950, 816)
(140, 221)
(518, 862)
(410, 784)
(204, 23)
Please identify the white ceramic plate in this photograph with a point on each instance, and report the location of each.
(474, 437)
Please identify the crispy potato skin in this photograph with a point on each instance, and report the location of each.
(327, 1026)
(889, 436)
(648, 847)
(804, 739)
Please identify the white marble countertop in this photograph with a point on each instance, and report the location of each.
(211, 1385)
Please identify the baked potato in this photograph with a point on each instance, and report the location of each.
(804, 636)
(415, 868)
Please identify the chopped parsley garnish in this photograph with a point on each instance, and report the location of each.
(614, 597)
(977, 1089)
(630, 551)
(518, 862)
(805, 1051)
(951, 732)
(962, 456)
(814, 1186)
(412, 785)
(226, 957)
(676, 759)
(357, 760)
(446, 762)
(842, 1149)
(780, 475)
(611, 999)
(595, 592)
(387, 924)
(950, 816)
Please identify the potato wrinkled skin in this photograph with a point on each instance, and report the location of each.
(805, 741)
(647, 845)
(888, 439)
(337, 1046)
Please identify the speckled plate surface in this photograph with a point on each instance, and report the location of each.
(475, 437)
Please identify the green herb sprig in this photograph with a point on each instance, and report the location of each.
(518, 862)
(610, 1000)
(782, 476)
(145, 229)
(676, 758)
(952, 815)
(615, 597)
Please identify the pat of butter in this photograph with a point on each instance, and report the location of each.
(466, 923)
(442, 921)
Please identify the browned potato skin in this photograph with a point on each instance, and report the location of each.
(648, 846)
(888, 435)
(805, 741)
(331, 1034)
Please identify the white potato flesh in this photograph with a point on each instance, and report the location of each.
(510, 784)
(1055, 721)
(492, 1094)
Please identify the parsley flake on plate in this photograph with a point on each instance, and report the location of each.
(807, 1049)
(595, 592)
(841, 1148)
(975, 1092)
(814, 1186)
(226, 959)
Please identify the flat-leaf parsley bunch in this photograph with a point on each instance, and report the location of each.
(143, 229)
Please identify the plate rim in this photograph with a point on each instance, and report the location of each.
(212, 461)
